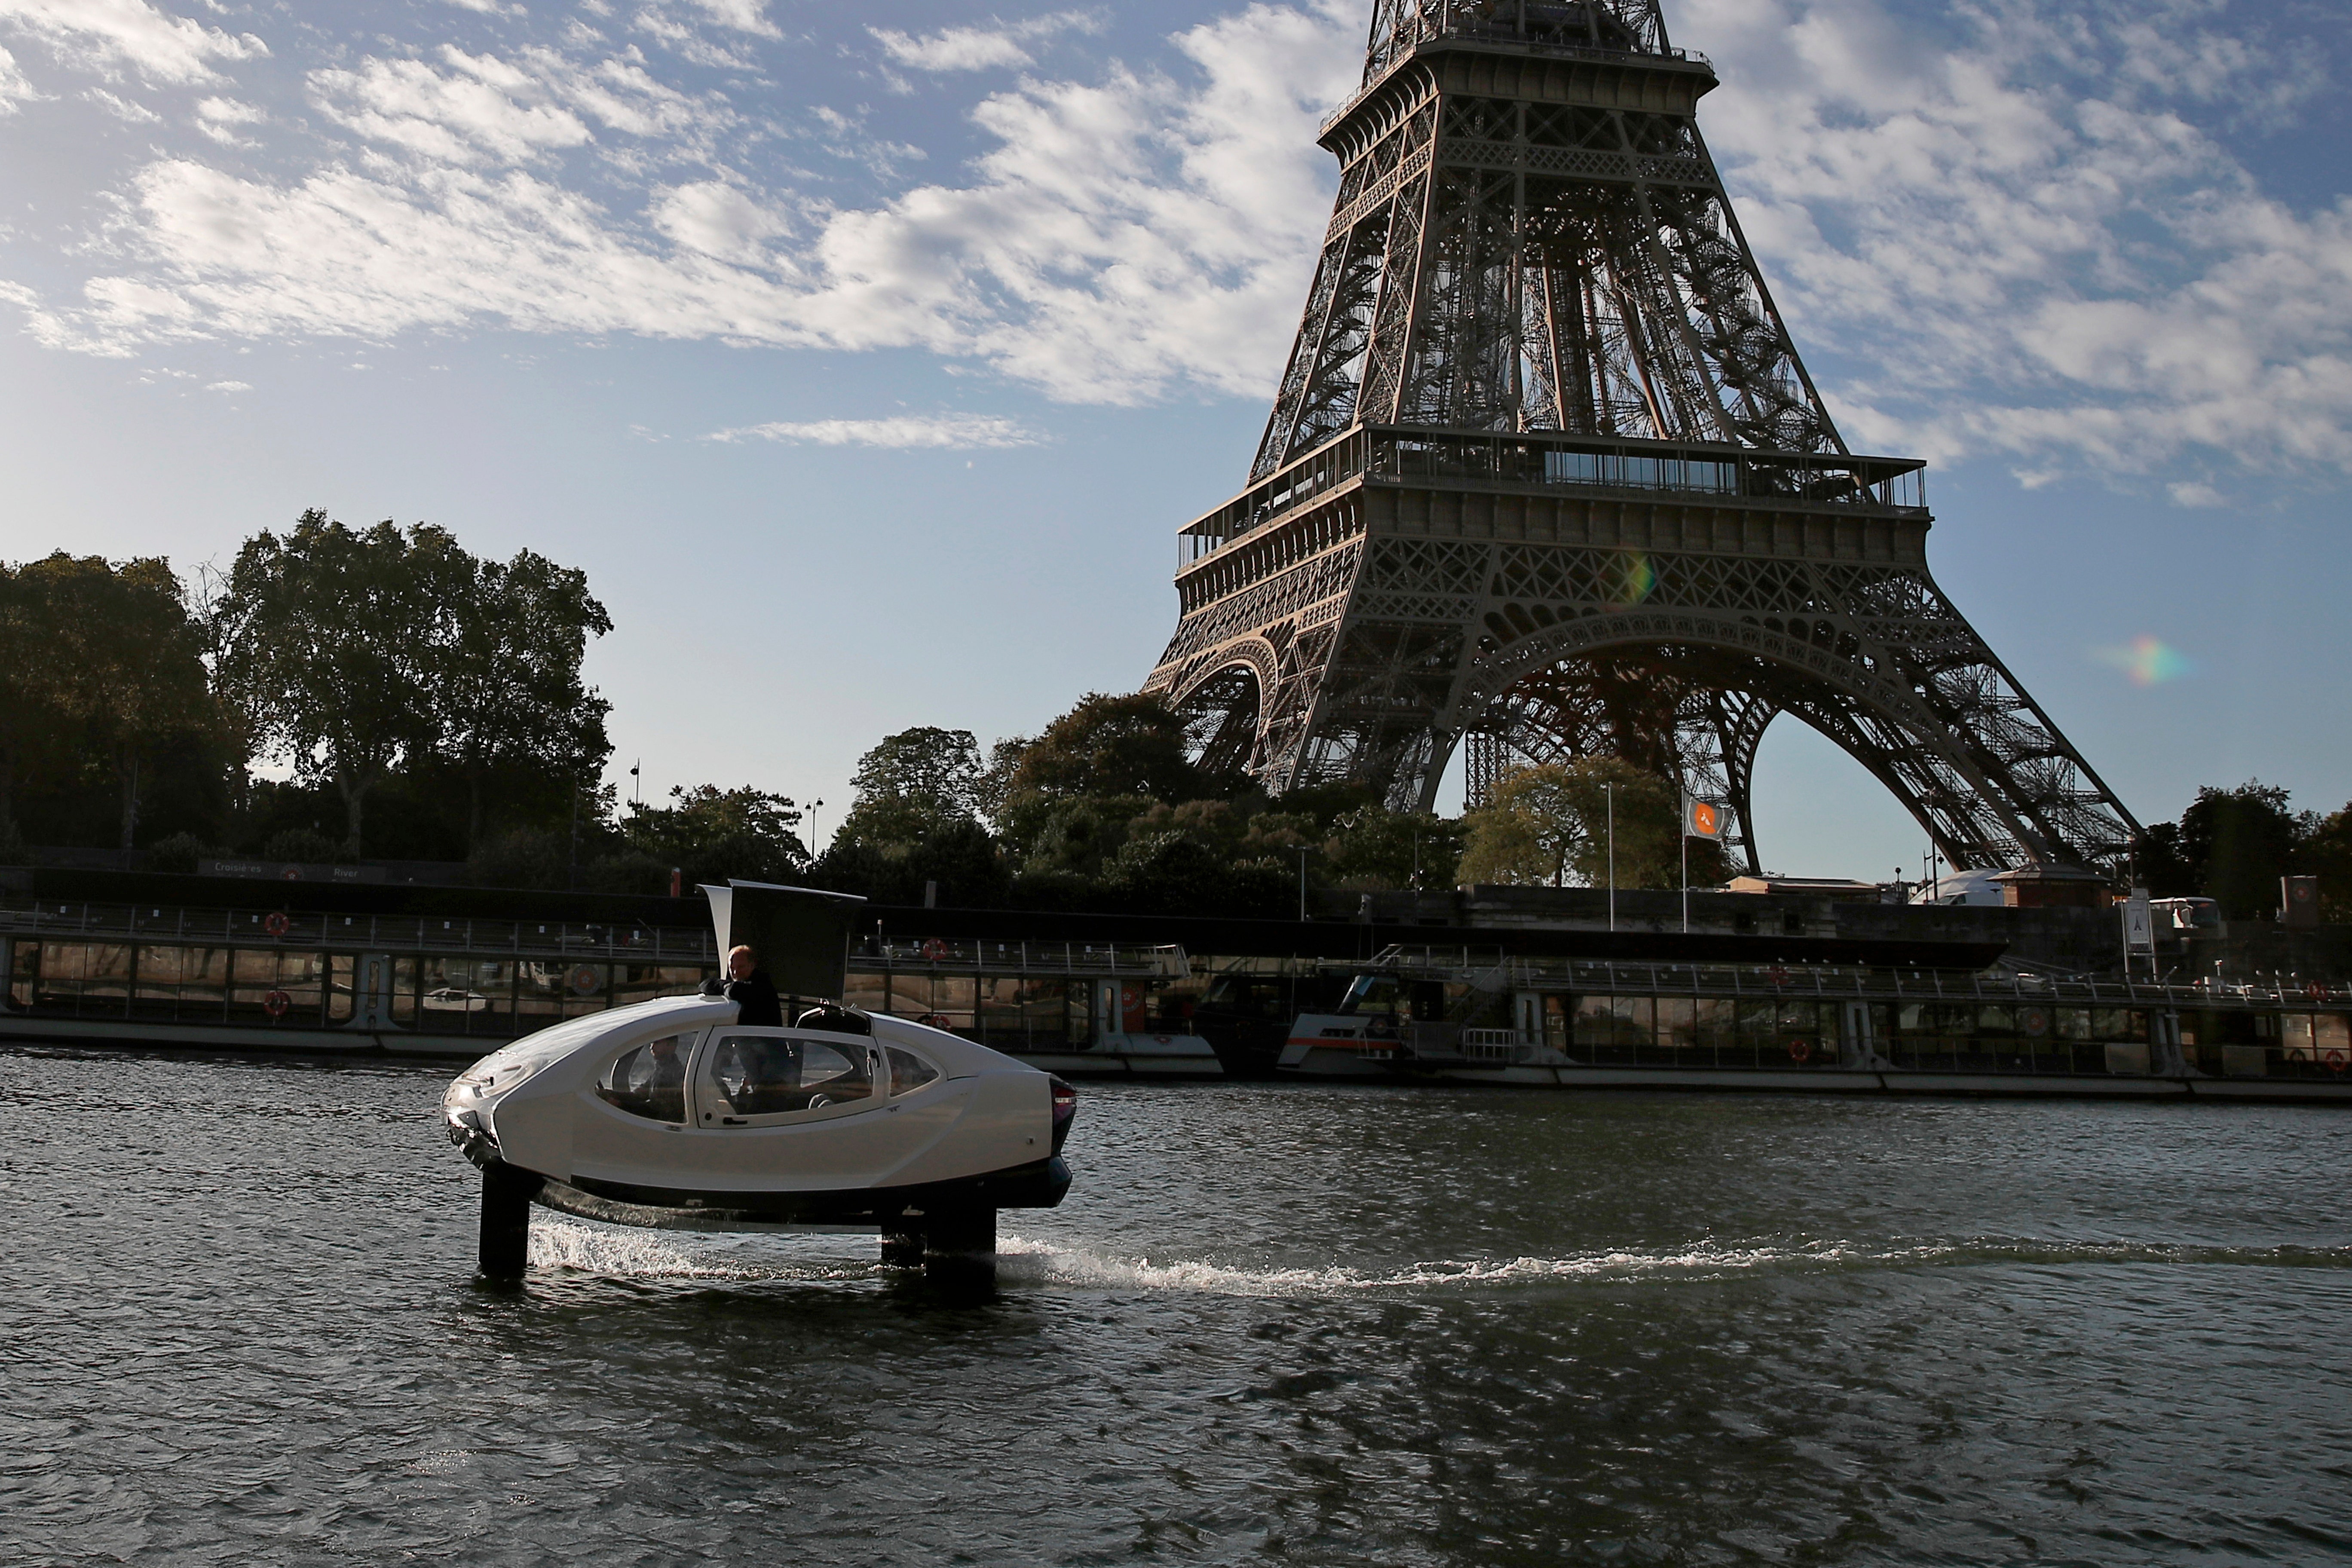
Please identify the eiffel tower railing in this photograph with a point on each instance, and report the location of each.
(1520, 460)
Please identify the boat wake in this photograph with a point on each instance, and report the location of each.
(586, 1247)
(1044, 1262)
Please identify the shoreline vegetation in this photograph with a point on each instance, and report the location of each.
(424, 703)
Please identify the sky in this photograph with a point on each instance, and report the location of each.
(868, 370)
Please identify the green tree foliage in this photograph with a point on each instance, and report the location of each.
(1547, 825)
(912, 785)
(714, 834)
(331, 641)
(2243, 841)
(1107, 747)
(105, 663)
(1373, 847)
(507, 690)
(2326, 854)
(2233, 844)
(358, 655)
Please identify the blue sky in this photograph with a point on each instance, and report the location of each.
(868, 370)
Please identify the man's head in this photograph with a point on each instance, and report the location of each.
(739, 962)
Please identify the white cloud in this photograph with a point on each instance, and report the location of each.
(228, 386)
(14, 89)
(1125, 236)
(2018, 245)
(218, 117)
(108, 34)
(475, 109)
(958, 432)
(123, 109)
(2021, 244)
(978, 48)
(743, 15)
(713, 219)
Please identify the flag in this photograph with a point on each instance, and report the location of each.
(1702, 819)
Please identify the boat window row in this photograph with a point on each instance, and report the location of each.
(758, 1076)
(155, 983)
(1009, 1012)
(1936, 1037)
(1792, 1031)
(176, 983)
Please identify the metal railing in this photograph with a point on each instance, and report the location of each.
(978, 956)
(49, 921)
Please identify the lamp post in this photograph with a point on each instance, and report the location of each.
(1302, 850)
(812, 825)
(1609, 790)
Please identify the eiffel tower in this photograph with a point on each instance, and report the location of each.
(1545, 478)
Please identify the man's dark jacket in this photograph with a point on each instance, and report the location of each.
(755, 1000)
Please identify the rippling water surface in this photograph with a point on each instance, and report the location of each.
(1304, 1325)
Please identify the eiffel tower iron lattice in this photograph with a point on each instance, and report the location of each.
(1545, 476)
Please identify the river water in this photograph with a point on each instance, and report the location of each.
(1272, 1324)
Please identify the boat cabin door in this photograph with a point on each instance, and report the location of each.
(800, 1104)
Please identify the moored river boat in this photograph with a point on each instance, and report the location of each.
(1453, 1016)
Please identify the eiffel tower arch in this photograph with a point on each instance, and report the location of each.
(1545, 477)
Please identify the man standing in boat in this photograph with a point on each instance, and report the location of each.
(753, 993)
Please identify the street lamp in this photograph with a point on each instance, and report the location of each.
(1302, 851)
(1609, 790)
(812, 825)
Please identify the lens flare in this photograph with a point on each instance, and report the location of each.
(1635, 577)
(2148, 661)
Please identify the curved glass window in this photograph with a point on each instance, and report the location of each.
(909, 1072)
(769, 1075)
(649, 1081)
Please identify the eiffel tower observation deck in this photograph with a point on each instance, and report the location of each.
(1545, 478)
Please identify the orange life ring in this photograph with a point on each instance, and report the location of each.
(2315, 991)
(1777, 975)
(276, 923)
(2335, 1059)
(275, 1003)
(934, 950)
(1800, 1050)
(584, 981)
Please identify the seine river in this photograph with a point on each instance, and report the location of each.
(1272, 1324)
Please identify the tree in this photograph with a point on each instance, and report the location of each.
(2237, 844)
(1106, 746)
(332, 645)
(714, 834)
(30, 724)
(508, 690)
(915, 785)
(112, 653)
(1549, 825)
(996, 779)
(2326, 854)
(1372, 847)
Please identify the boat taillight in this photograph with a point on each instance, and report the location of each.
(1066, 1111)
